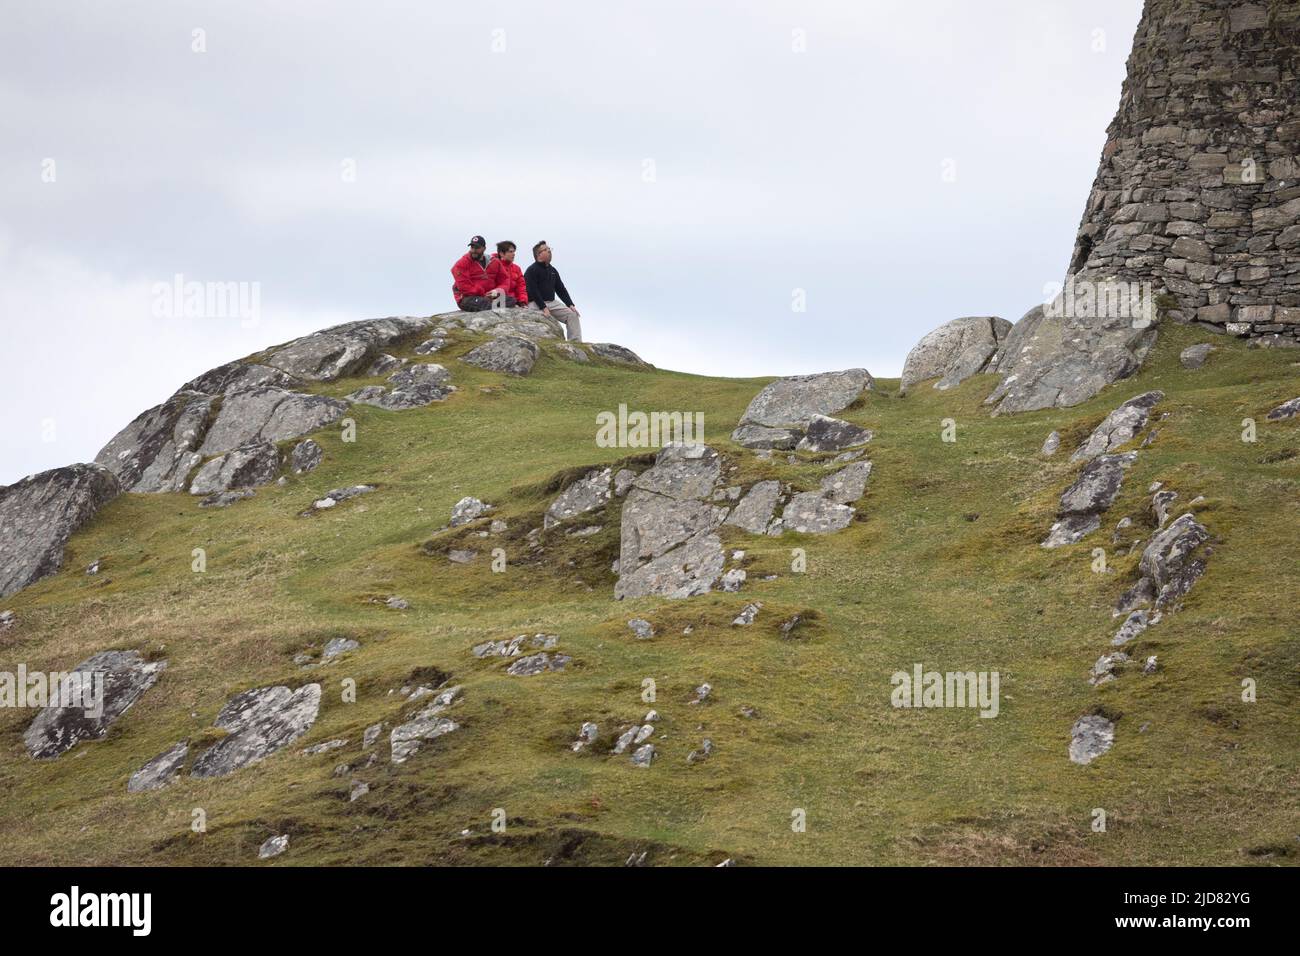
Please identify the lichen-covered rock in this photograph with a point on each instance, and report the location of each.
(791, 403)
(755, 510)
(1092, 493)
(530, 323)
(848, 484)
(413, 386)
(237, 376)
(407, 738)
(159, 771)
(1285, 411)
(513, 354)
(1119, 427)
(763, 438)
(157, 451)
(617, 353)
(268, 414)
(588, 493)
(258, 723)
(540, 663)
(466, 510)
(666, 540)
(306, 455)
(40, 513)
(1090, 737)
(342, 350)
(812, 513)
(571, 352)
(954, 352)
(825, 434)
(1174, 560)
(1058, 361)
(111, 681)
(248, 466)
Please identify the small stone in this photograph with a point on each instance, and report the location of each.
(705, 751)
(747, 614)
(641, 628)
(1051, 445)
(273, 847)
(468, 509)
(587, 734)
(461, 556)
(371, 735)
(644, 755)
(1150, 666)
(93, 568)
(397, 603)
(358, 791)
(339, 645)
(733, 579)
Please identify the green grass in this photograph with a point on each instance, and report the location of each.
(941, 566)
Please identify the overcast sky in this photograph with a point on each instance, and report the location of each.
(693, 164)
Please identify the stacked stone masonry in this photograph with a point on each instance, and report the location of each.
(1199, 187)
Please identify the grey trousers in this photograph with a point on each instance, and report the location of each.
(566, 317)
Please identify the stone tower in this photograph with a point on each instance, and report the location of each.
(1199, 187)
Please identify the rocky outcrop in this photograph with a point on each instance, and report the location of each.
(268, 414)
(110, 682)
(954, 352)
(530, 323)
(342, 350)
(1060, 360)
(257, 463)
(306, 455)
(588, 493)
(237, 376)
(40, 513)
(413, 386)
(756, 509)
(1092, 494)
(1174, 560)
(161, 770)
(512, 354)
(667, 544)
(780, 414)
(157, 451)
(1119, 427)
(258, 723)
(427, 724)
(1196, 190)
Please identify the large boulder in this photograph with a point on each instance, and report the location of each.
(1084, 502)
(125, 676)
(831, 434)
(617, 353)
(342, 350)
(258, 723)
(954, 352)
(784, 409)
(1119, 427)
(667, 544)
(157, 451)
(270, 414)
(1057, 361)
(40, 513)
(504, 353)
(248, 466)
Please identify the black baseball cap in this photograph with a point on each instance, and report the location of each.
(477, 241)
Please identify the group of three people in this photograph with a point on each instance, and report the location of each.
(482, 284)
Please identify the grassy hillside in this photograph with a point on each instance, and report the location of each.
(941, 567)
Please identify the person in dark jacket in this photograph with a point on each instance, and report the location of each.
(472, 286)
(505, 275)
(546, 291)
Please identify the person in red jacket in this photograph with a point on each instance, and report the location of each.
(473, 289)
(506, 276)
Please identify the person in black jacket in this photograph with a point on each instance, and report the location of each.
(545, 285)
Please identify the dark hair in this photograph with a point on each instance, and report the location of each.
(538, 246)
(505, 246)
